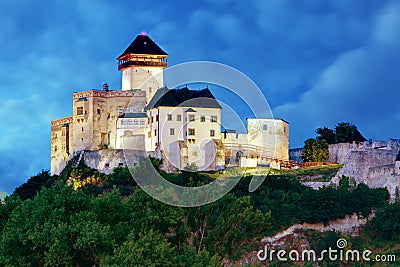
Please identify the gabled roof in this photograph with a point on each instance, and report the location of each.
(133, 115)
(357, 137)
(143, 45)
(183, 98)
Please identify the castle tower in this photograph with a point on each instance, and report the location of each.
(142, 65)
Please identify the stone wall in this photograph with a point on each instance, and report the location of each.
(295, 154)
(374, 167)
(106, 160)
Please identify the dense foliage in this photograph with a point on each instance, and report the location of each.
(88, 219)
(340, 134)
(315, 150)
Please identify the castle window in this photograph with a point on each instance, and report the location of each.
(63, 133)
(152, 119)
(179, 117)
(120, 164)
(142, 122)
(212, 133)
(131, 110)
(192, 141)
(169, 117)
(214, 118)
(82, 139)
(120, 109)
(155, 132)
(192, 131)
(107, 165)
(63, 147)
(148, 134)
(156, 117)
(129, 122)
(79, 111)
(55, 148)
(150, 89)
(123, 122)
(191, 117)
(98, 111)
(265, 127)
(82, 129)
(136, 122)
(171, 131)
(203, 118)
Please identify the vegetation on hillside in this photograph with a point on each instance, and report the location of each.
(83, 217)
(315, 151)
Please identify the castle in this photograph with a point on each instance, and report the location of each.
(181, 126)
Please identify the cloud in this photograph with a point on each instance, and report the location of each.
(360, 86)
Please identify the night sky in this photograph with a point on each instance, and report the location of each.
(317, 62)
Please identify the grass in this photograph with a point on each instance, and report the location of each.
(322, 173)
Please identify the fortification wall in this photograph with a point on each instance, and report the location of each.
(106, 160)
(295, 154)
(338, 153)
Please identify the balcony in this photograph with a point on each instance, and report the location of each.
(124, 65)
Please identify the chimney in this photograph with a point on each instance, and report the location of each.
(105, 87)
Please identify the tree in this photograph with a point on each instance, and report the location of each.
(343, 131)
(315, 150)
(386, 223)
(324, 133)
(34, 184)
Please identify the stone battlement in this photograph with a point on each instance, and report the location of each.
(106, 94)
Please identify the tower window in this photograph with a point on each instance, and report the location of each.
(192, 131)
(120, 109)
(265, 127)
(169, 117)
(156, 117)
(179, 117)
(150, 89)
(82, 129)
(55, 148)
(155, 132)
(98, 111)
(191, 117)
(214, 118)
(212, 133)
(136, 122)
(203, 118)
(171, 131)
(79, 111)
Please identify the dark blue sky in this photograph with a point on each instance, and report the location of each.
(317, 62)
